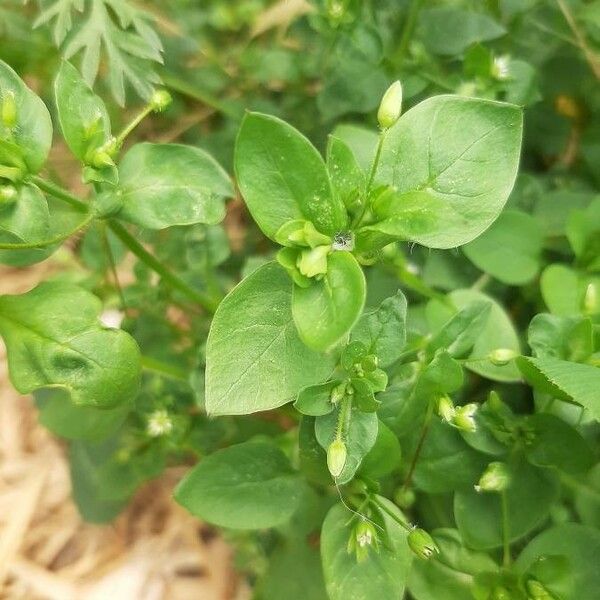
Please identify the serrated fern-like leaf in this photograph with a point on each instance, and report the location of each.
(113, 30)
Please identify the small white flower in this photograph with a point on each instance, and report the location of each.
(112, 318)
(159, 423)
(501, 68)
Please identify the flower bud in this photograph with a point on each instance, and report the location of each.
(590, 300)
(160, 100)
(537, 591)
(8, 194)
(9, 109)
(391, 106)
(336, 457)
(362, 538)
(501, 593)
(404, 497)
(422, 544)
(501, 68)
(464, 418)
(502, 356)
(496, 478)
(369, 363)
(445, 408)
(313, 262)
(338, 392)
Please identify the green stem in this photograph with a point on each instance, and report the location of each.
(359, 217)
(45, 243)
(164, 369)
(343, 417)
(111, 261)
(204, 300)
(481, 282)
(408, 30)
(58, 192)
(417, 454)
(390, 514)
(132, 125)
(506, 559)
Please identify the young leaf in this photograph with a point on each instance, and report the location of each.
(499, 332)
(32, 131)
(282, 177)
(82, 115)
(315, 400)
(382, 574)
(383, 330)
(563, 289)
(568, 381)
(326, 311)
(463, 154)
(247, 486)
(54, 339)
(347, 178)
(254, 357)
(510, 249)
(163, 185)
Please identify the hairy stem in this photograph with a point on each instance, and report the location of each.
(204, 300)
(422, 437)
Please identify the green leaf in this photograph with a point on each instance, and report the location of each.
(499, 332)
(479, 517)
(449, 31)
(385, 455)
(382, 574)
(82, 115)
(579, 545)
(568, 338)
(65, 419)
(510, 249)
(451, 575)
(557, 444)
(246, 486)
(54, 339)
(282, 177)
(443, 375)
(459, 334)
(568, 381)
(32, 132)
(461, 156)
(446, 462)
(361, 141)
(315, 400)
(313, 459)
(563, 289)
(326, 311)
(26, 220)
(254, 357)
(163, 185)
(347, 178)
(383, 330)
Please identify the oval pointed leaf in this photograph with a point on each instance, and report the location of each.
(33, 130)
(462, 153)
(54, 339)
(171, 184)
(247, 486)
(326, 311)
(254, 358)
(282, 177)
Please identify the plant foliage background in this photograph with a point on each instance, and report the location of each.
(374, 338)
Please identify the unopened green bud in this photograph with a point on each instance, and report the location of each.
(537, 591)
(101, 159)
(313, 262)
(445, 408)
(369, 363)
(590, 300)
(8, 194)
(404, 497)
(9, 109)
(502, 356)
(501, 593)
(496, 478)
(391, 106)
(464, 417)
(160, 100)
(422, 544)
(336, 457)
